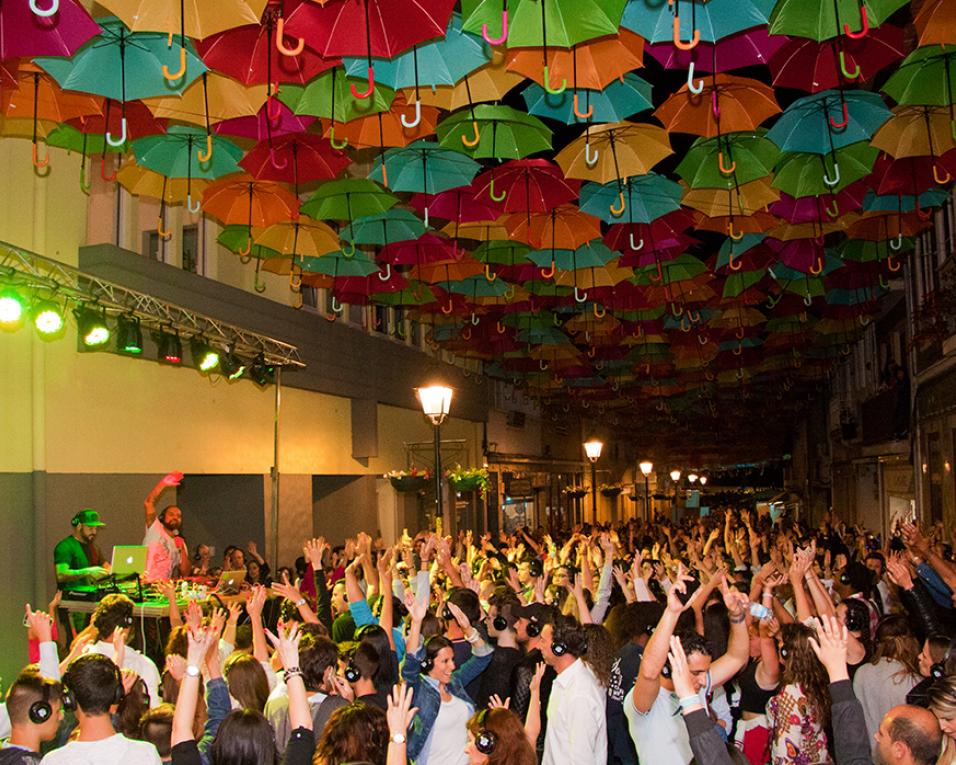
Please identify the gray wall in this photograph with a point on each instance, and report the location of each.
(343, 505)
(221, 510)
(18, 569)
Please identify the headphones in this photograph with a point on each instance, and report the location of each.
(504, 619)
(428, 662)
(938, 670)
(559, 648)
(784, 652)
(69, 701)
(352, 673)
(666, 669)
(533, 629)
(856, 620)
(447, 615)
(41, 711)
(535, 567)
(485, 740)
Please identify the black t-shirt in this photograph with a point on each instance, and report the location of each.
(498, 677)
(15, 755)
(620, 750)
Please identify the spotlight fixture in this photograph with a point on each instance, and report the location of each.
(205, 357)
(12, 308)
(168, 346)
(91, 323)
(129, 336)
(231, 366)
(48, 319)
(261, 372)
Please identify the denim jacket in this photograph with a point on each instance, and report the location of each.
(426, 696)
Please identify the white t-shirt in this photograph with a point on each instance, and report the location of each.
(450, 734)
(659, 736)
(577, 719)
(115, 749)
(162, 555)
(141, 665)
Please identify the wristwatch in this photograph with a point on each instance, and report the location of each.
(300, 602)
(398, 738)
(192, 670)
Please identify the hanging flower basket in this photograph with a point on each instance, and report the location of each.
(467, 480)
(575, 492)
(609, 491)
(408, 481)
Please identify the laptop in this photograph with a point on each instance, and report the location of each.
(230, 582)
(128, 560)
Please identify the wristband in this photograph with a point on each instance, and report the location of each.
(738, 618)
(474, 636)
(690, 701)
(300, 602)
(292, 672)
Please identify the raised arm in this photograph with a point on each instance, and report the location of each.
(738, 647)
(149, 504)
(199, 641)
(314, 551)
(254, 608)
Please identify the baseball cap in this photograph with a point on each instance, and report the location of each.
(538, 613)
(87, 517)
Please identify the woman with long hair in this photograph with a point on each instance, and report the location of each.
(942, 703)
(247, 681)
(936, 661)
(356, 733)
(799, 715)
(497, 737)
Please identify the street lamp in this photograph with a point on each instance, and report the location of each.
(675, 477)
(646, 468)
(703, 480)
(692, 477)
(593, 449)
(436, 401)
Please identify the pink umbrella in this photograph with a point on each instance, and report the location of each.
(296, 158)
(912, 175)
(281, 121)
(800, 254)
(522, 185)
(743, 49)
(25, 33)
(461, 205)
(428, 248)
(814, 209)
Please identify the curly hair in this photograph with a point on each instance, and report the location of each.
(355, 733)
(801, 667)
(600, 653)
(512, 747)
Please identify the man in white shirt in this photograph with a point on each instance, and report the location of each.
(577, 722)
(97, 689)
(166, 554)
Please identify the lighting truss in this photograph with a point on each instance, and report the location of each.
(23, 269)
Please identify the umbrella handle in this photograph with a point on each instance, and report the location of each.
(695, 88)
(817, 268)
(273, 109)
(164, 234)
(735, 235)
(473, 141)
(466, 334)
(734, 263)
(338, 146)
(388, 273)
(348, 251)
(577, 111)
(864, 29)
(39, 163)
(864, 320)
(475, 319)
(504, 31)
(44, 12)
(556, 320)
(849, 75)
(548, 273)
(693, 316)
(542, 365)
(883, 283)
(173, 76)
(680, 44)
(677, 310)
(714, 106)
(425, 221)
(685, 325)
(835, 180)
(280, 41)
(740, 374)
(709, 375)
(892, 264)
(546, 77)
(739, 334)
(103, 175)
(499, 328)
(384, 173)
(618, 211)
(369, 90)
(490, 276)
(635, 248)
(920, 213)
(720, 164)
(189, 204)
(702, 339)
(592, 351)
(738, 350)
(599, 312)
(580, 297)
(509, 293)
(843, 123)
(331, 316)
(833, 209)
(660, 273)
(945, 179)
(808, 300)
(84, 184)
(772, 301)
(122, 139)
(337, 307)
(274, 161)
(205, 156)
(448, 309)
(588, 159)
(897, 244)
(243, 252)
(418, 116)
(496, 197)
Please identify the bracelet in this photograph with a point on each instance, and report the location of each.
(474, 636)
(689, 701)
(738, 618)
(292, 672)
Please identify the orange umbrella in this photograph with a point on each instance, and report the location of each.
(916, 131)
(742, 200)
(726, 104)
(304, 237)
(478, 230)
(894, 226)
(936, 23)
(742, 224)
(490, 83)
(386, 128)
(37, 96)
(564, 228)
(211, 98)
(448, 271)
(243, 199)
(614, 151)
(591, 65)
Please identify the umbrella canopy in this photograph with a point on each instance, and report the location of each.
(330, 96)
(392, 225)
(564, 227)
(561, 23)
(498, 132)
(194, 18)
(614, 151)
(211, 98)
(829, 120)
(703, 21)
(645, 198)
(25, 33)
(916, 131)
(535, 185)
(822, 19)
(728, 159)
(243, 199)
(618, 101)
(296, 158)
(751, 47)
(175, 154)
(302, 237)
(936, 23)
(426, 167)
(925, 77)
(803, 175)
(727, 104)
(348, 199)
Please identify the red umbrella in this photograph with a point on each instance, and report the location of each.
(805, 255)
(658, 253)
(428, 248)
(461, 205)
(911, 175)
(25, 33)
(273, 119)
(749, 48)
(811, 66)
(140, 121)
(523, 185)
(298, 158)
(357, 289)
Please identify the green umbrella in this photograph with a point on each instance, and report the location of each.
(329, 95)
(646, 198)
(174, 153)
(235, 238)
(528, 320)
(425, 167)
(70, 138)
(682, 268)
(823, 19)
(866, 251)
(547, 289)
(735, 249)
(416, 293)
(504, 252)
(804, 175)
(348, 199)
(476, 287)
(489, 131)
(618, 101)
(382, 228)
(531, 23)
(339, 263)
(591, 255)
(741, 281)
(925, 77)
(732, 158)
(903, 203)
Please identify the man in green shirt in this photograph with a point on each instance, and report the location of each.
(77, 558)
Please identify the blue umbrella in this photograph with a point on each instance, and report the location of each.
(826, 121)
(903, 203)
(425, 167)
(615, 103)
(646, 198)
(657, 21)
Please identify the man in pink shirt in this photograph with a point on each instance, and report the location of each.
(167, 556)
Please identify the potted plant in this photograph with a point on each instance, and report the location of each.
(609, 490)
(468, 479)
(575, 492)
(408, 480)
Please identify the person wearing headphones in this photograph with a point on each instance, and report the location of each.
(167, 555)
(93, 687)
(35, 707)
(77, 559)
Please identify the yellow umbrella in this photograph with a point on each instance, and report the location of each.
(788, 231)
(936, 23)
(304, 237)
(614, 151)
(743, 200)
(587, 278)
(916, 131)
(143, 182)
(211, 98)
(490, 83)
(738, 316)
(479, 230)
(197, 18)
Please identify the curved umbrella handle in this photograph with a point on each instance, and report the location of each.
(580, 297)
(163, 233)
(369, 90)
(817, 268)
(637, 247)
(496, 197)
(347, 251)
(739, 334)
(676, 310)
(618, 211)
(735, 235)
(499, 328)
(39, 163)
(244, 252)
(414, 123)
(720, 164)
(577, 111)
(490, 275)
(280, 41)
(835, 180)
(504, 31)
(173, 76)
(734, 263)
(273, 109)
(205, 156)
(922, 214)
(772, 301)
(114, 142)
(542, 365)
(599, 311)
(466, 334)
(897, 244)
(44, 12)
(864, 30)
(808, 300)
(709, 374)
(337, 307)
(338, 146)
(892, 264)
(693, 316)
(556, 320)
(275, 162)
(695, 88)
(509, 293)
(660, 273)
(103, 175)
(883, 283)
(474, 319)
(388, 273)
(590, 160)
(685, 325)
(833, 209)
(547, 83)
(842, 123)
(702, 339)
(449, 308)
(738, 350)
(680, 44)
(849, 75)
(189, 204)
(547, 274)
(85, 185)
(945, 179)
(472, 142)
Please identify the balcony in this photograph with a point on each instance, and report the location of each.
(884, 417)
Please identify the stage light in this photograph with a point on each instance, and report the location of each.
(12, 308)
(129, 336)
(231, 366)
(48, 319)
(205, 357)
(261, 372)
(168, 346)
(91, 323)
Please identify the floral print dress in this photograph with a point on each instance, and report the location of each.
(797, 736)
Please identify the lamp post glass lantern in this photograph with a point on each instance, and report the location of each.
(646, 468)
(692, 477)
(436, 402)
(593, 449)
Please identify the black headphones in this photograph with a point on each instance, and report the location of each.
(485, 740)
(352, 673)
(666, 669)
(41, 711)
(559, 648)
(535, 567)
(428, 661)
(938, 670)
(69, 701)
(447, 615)
(533, 629)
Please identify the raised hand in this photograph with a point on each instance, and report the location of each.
(172, 479)
(495, 702)
(217, 622)
(830, 646)
(680, 672)
(286, 644)
(539, 670)
(287, 591)
(899, 572)
(176, 666)
(460, 617)
(314, 551)
(118, 640)
(199, 641)
(400, 712)
(256, 601)
(40, 625)
(193, 615)
(674, 604)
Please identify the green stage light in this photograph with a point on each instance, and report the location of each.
(205, 357)
(12, 309)
(261, 372)
(129, 336)
(48, 319)
(231, 366)
(94, 332)
(169, 347)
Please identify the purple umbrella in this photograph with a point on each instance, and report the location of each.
(25, 33)
(274, 118)
(749, 48)
(802, 255)
(813, 209)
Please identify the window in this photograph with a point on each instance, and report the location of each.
(154, 247)
(192, 255)
(398, 323)
(380, 319)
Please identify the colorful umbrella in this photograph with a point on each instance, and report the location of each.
(936, 23)
(330, 96)
(645, 198)
(803, 175)
(487, 131)
(726, 104)
(829, 120)
(822, 19)
(728, 159)
(752, 47)
(425, 167)
(525, 23)
(618, 101)
(243, 199)
(194, 18)
(916, 131)
(694, 20)
(614, 151)
(25, 33)
(535, 185)
(298, 158)
(348, 199)
(925, 78)
(393, 225)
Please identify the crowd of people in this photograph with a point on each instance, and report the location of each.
(727, 638)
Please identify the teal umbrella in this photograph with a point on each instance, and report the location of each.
(347, 199)
(646, 198)
(425, 167)
(826, 121)
(476, 287)
(618, 101)
(174, 154)
(591, 255)
(382, 228)
(903, 203)
(706, 21)
(731, 248)
(338, 263)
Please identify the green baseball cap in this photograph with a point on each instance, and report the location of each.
(87, 518)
